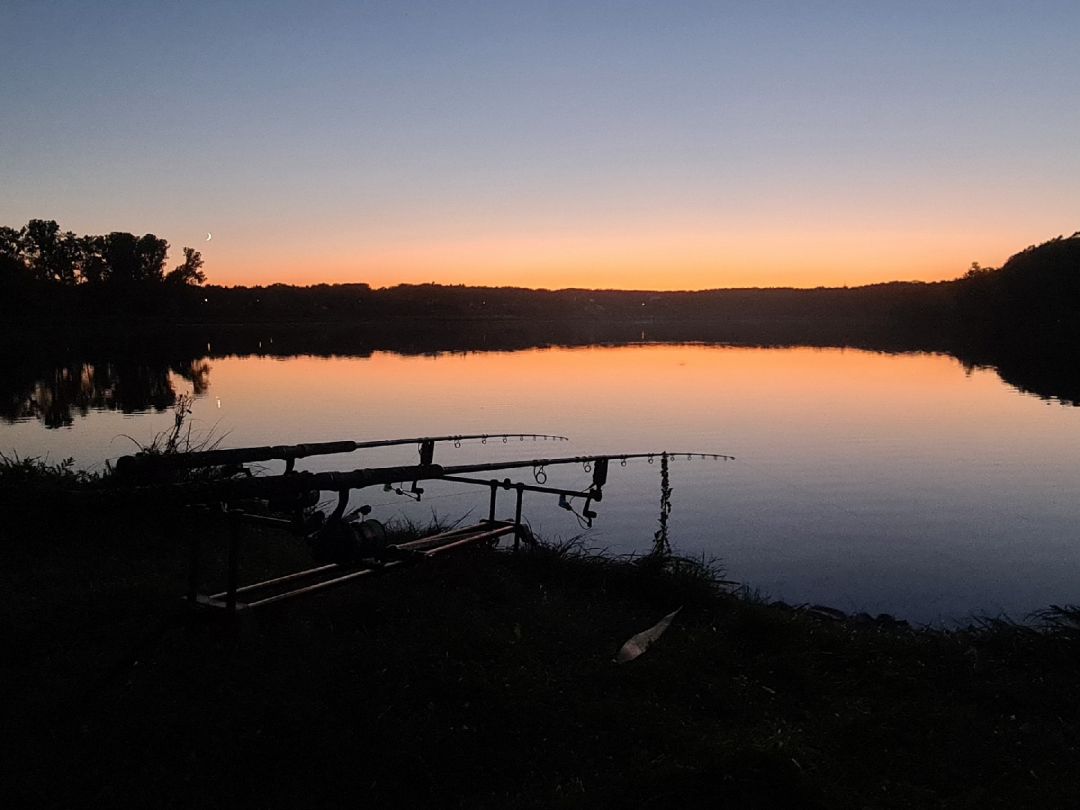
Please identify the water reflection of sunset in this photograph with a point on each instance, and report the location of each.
(647, 394)
(866, 480)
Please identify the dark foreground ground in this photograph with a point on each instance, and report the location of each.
(487, 680)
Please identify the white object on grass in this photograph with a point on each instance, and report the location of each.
(640, 642)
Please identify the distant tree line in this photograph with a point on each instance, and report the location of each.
(48, 275)
(903, 305)
(1033, 299)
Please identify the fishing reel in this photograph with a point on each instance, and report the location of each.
(339, 540)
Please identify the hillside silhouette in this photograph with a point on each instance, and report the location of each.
(48, 275)
(1023, 318)
(1033, 299)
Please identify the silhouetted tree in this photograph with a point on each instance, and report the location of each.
(12, 267)
(94, 268)
(51, 254)
(9, 243)
(151, 253)
(188, 273)
(134, 260)
(118, 250)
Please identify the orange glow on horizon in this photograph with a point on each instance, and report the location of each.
(689, 261)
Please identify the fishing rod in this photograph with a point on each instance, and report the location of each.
(299, 482)
(281, 487)
(538, 465)
(594, 492)
(288, 488)
(551, 462)
(145, 462)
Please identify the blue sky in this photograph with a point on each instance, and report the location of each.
(547, 144)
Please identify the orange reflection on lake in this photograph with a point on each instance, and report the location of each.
(699, 397)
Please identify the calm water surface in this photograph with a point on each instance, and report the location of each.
(871, 482)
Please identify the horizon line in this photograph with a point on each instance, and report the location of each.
(578, 289)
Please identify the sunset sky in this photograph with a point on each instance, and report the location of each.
(626, 144)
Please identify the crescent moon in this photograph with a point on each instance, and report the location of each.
(209, 236)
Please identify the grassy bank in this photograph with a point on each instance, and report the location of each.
(486, 680)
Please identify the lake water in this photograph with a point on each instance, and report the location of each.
(899, 483)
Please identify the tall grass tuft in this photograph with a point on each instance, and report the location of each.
(1060, 620)
(179, 438)
(18, 472)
